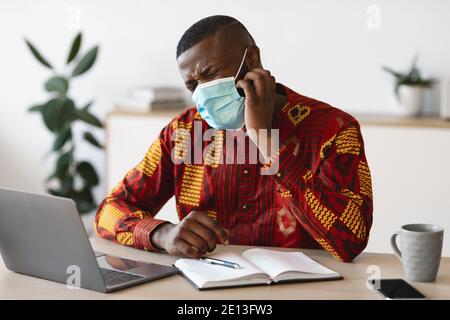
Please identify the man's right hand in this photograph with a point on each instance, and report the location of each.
(194, 236)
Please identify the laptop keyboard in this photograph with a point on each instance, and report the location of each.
(113, 278)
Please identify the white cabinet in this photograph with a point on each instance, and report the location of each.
(409, 161)
(410, 174)
(128, 136)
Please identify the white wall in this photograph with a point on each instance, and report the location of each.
(322, 48)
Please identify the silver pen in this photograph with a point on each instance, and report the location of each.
(221, 263)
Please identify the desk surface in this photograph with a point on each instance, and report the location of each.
(16, 286)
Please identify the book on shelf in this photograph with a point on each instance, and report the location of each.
(145, 99)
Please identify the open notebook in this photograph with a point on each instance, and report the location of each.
(258, 266)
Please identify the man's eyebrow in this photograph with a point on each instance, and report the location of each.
(208, 68)
(205, 71)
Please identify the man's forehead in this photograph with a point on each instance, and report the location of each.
(208, 50)
(217, 49)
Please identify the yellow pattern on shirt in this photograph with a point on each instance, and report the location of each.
(214, 150)
(326, 146)
(329, 248)
(109, 216)
(323, 214)
(182, 138)
(308, 175)
(353, 220)
(151, 159)
(365, 181)
(125, 238)
(191, 185)
(347, 141)
(355, 197)
(212, 214)
(297, 113)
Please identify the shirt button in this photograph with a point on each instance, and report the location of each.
(245, 206)
(279, 174)
(245, 171)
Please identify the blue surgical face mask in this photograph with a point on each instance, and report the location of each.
(219, 102)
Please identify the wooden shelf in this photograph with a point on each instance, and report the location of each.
(163, 113)
(364, 119)
(398, 121)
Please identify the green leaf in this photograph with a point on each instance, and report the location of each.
(51, 114)
(92, 140)
(85, 207)
(397, 90)
(38, 55)
(396, 74)
(66, 187)
(50, 177)
(88, 118)
(62, 165)
(54, 192)
(88, 105)
(76, 44)
(87, 173)
(84, 194)
(63, 136)
(414, 61)
(86, 62)
(57, 84)
(58, 112)
(36, 108)
(84, 200)
(68, 113)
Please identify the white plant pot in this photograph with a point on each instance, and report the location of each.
(411, 99)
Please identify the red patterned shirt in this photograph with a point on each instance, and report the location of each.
(319, 197)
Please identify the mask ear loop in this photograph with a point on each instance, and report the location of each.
(242, 63)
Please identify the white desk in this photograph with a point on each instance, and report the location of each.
(16, 286)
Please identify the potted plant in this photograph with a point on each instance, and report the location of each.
(410, 88)
(72, 177)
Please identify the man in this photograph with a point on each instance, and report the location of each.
(319, 195)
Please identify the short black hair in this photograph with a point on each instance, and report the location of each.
(205, 28)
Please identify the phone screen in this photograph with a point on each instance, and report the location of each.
(397, 289)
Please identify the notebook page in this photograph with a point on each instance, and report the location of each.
(276, 262)
(201, 272)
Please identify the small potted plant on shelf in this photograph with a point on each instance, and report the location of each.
(410, 88)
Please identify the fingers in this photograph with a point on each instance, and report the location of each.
(258, 81)
(194, 240)
(196, 235)
(248, 88)
(270, 79)
(206, 234)
(263, 81)
(185, 249)
(212, 225)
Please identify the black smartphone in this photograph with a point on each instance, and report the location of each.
(241, 76)
(396, 289)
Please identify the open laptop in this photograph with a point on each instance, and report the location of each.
(43, 236)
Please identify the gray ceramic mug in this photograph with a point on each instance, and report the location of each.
(420, 250)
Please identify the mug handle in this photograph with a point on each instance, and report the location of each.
(394, 246)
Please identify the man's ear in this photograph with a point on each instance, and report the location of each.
(253, 59)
